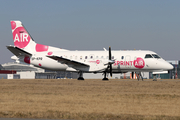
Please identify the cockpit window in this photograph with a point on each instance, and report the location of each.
(156, 56)
(148, 56)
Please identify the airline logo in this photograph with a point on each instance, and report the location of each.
(97, 61)
(21, 37)
(138, 63)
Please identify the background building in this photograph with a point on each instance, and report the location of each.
(26, 71)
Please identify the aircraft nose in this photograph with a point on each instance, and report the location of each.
(169, 67)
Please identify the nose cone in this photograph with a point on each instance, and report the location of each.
(165, 65)
(168, 66)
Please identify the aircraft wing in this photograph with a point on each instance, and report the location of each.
(18, 52)
(71, 63)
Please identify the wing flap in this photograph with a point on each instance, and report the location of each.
(69, 62)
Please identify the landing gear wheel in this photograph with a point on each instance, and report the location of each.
(105, 79)
(80, 78)
(154, 77)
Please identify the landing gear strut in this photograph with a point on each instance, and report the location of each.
(105, 78)
(80, 75)
(154, 77)
(139, 75)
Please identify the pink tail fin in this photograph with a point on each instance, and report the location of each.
(22, 39)
(20, 36)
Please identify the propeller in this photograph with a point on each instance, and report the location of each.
(109, 65)
(110, 62)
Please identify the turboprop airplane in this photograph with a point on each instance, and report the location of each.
(53, 58)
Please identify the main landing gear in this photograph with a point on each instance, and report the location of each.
(80, 75)
(105, 78)
(139, 75)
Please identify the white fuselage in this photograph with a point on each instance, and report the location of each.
(124, 61)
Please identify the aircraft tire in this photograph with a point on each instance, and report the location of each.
(80, 78)
(105, 79)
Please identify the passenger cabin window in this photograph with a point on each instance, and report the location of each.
(101, 57)
(122, 57)
(112, 57)
(86, 57)
(156, 56)
(148, 56)
(96, 57)
(91, 57)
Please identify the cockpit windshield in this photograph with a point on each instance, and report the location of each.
(156, 56)
(148, 56)
(152, 56)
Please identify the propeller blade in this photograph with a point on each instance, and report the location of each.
(109, 53)
(110, 62)
(110, 65)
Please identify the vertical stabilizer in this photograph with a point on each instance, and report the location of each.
(23, 40)
(21, 37)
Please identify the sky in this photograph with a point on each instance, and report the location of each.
(95, 24)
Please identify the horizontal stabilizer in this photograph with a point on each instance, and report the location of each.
(68, 62)
(18, 52)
